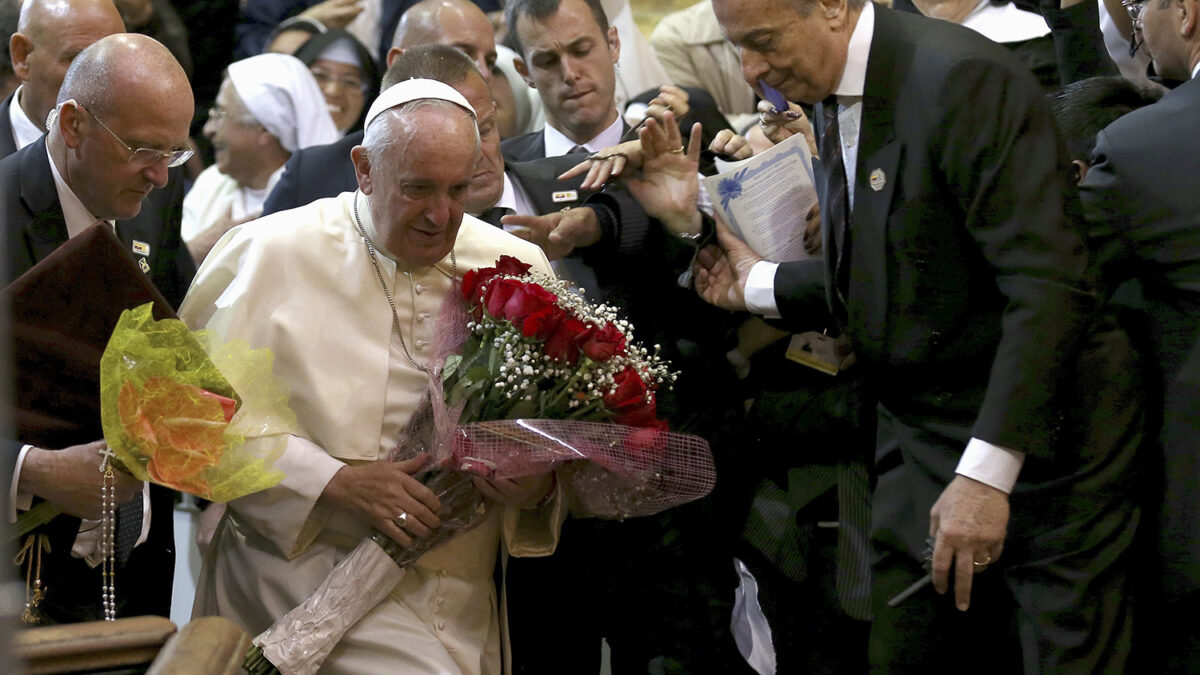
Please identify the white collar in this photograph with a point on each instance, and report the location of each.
(78, 217)
(558, 144)
(1195, 70)
(24, 130)
(248, 202)
(508, 198)
(858, 51)
(1005, 23)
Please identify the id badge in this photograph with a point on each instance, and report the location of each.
(819, 352)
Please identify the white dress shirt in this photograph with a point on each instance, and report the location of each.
(24, 131)
(558, 144)
(982, 461)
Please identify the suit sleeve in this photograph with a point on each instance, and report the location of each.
(285, 195)
(1001, 157)
(1110, 197)
(800, 296)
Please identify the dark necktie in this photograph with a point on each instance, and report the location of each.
(854, 511)
(129, 527)
(835, 202)
(577, 149)
(494, 214)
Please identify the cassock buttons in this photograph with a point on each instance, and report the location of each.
(418, 289)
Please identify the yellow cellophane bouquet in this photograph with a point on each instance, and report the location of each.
(184, 410)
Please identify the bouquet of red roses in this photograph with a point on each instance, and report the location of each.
(529, 377)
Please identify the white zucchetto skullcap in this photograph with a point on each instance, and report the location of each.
(414, 90)
(281, 94)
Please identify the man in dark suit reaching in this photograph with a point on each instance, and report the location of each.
(954, 263)
(122, 123)
(1143, 213)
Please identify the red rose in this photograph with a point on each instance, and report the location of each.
(474, 281)
(510, 265)
(497, 295)
(563, 344)
(605, 343)
(629, 392)
(542, 323)
(644, 415)
(526, 299)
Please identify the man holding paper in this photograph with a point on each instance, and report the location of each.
(954, 264)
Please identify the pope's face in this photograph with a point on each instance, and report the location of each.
(802, 53)
(418, 191)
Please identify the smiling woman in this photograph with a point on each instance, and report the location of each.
(346, 74)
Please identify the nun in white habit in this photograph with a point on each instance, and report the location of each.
(268, 107)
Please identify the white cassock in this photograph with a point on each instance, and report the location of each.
(300, 282)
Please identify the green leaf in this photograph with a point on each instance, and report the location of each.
(450, 366)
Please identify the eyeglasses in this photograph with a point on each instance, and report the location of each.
(220, 114)
(1136, 9)
(146, 157)
(325, 78)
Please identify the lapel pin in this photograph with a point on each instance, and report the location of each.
(877, 180)
(141, 247)
(144, 265)
(564, 196)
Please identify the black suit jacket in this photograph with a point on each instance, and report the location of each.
(967, 296)
(33, 227)
(7, 144)
(1143, 212)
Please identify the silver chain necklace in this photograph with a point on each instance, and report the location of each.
(379, 275)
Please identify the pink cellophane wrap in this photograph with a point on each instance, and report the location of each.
(608, 470)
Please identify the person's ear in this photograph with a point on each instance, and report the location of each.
(19, 48)
(1188, 10)
(523, 71)
(393, 54)
(614, 43)
(68, 121)
(1080, 170)
(362, 168)
(834, 10)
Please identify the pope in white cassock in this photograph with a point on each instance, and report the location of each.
(304, 284)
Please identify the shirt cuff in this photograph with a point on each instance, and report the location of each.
(991, 464)
(760, 290)
(17, 500)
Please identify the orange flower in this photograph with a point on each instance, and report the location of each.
(178, 428)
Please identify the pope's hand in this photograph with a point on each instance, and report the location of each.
(519, 492)
(968, 525)
(721, 271)
(379, 492)
(71, 479)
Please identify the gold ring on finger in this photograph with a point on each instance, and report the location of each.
(676, 151)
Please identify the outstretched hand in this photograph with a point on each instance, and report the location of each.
(557, 233)
(778, 127)
(71, 479)
(721, 270)
(669, 184)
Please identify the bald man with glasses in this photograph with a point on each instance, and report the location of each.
(115, 138)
